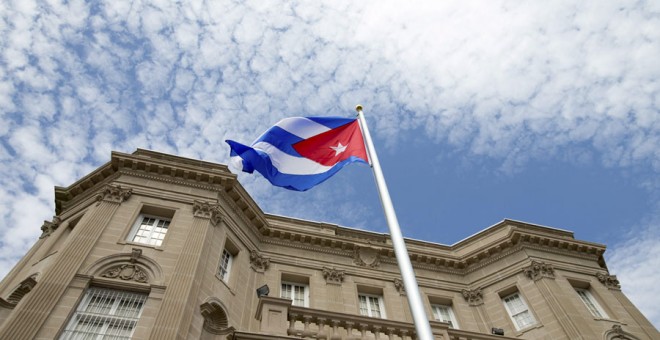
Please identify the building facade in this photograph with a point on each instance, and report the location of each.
(154, 246)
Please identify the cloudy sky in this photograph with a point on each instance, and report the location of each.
(546, 112)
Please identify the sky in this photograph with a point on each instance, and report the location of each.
(546, 112)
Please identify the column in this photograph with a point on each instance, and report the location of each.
(475, 299)
(543, 276)
(173, 319)
(35, 307)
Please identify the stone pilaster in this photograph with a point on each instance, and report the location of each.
(35, 307)
(543, 274)
(333, 275)
(475, 299)
(176, 310)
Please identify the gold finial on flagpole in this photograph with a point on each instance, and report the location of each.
(358, 108)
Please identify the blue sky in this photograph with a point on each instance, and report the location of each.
(547, 113)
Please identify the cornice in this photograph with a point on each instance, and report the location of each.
(437, 257)
(325, 250)
(169, 169)
(180, 170)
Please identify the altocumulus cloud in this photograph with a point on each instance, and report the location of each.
(510, 80)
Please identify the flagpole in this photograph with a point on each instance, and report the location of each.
(403, 259)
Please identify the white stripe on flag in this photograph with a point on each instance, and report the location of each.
(288, 164)
(236, 162)
(302, 127)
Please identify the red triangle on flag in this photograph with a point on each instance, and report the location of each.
(333, 146)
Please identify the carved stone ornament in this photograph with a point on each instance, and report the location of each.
(15, 297)
(215, 319)
(366, 257)
(400, 287)
(473, 297)
(609, 281)
(538, 270)
(207, 210)
(135, 254)
(114, 194)
(259, 262)
(127, 272)
(333, 276)
(49, 227)
(617, 333)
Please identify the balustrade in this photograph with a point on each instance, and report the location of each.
(307, 323)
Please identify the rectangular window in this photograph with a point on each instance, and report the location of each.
(444, 313)
(371, 305)
(591, 303)
(297, 292)
(518, 311)
(149, 230)
(225, 265)
(105, 314)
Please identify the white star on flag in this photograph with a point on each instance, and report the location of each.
(339, 148)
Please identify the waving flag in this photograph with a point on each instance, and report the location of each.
(301, 152)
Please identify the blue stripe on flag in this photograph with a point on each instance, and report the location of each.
(331, 122)
(280, 139)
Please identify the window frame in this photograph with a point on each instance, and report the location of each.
(138, 223)
(588, 298)
(513, 316)
(435, 308)
(295, 284)
(224, 272)
(105, 320)
(370, 312)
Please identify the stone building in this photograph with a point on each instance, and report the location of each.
(154, 246)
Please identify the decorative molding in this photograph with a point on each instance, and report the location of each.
(609, 281)
(366, 257)
(259, 262)
(207, 210)
(317, 249)
(49, 227)
(538, 270)
(400, 287)
(617, 333)
(473, 297)
(215, 318)
(135, 255)
(333, 275)
(114, 194)
(23, 288)
(127, 272)
(240, 213)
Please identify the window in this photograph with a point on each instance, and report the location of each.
(105, 314)
(591, 303)
(444, 313)
(297, 292)
(225, 265)
(149, 230)
(371, 305)
(518, 311)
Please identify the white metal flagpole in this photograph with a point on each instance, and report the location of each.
(403, 259)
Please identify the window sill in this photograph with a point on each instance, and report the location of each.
(529, 328)
(144, 245)
(226, 284)
(609, 320)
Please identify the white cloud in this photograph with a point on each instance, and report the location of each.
(513, 81)
(635, 262)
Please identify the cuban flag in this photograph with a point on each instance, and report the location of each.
(301, 152)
